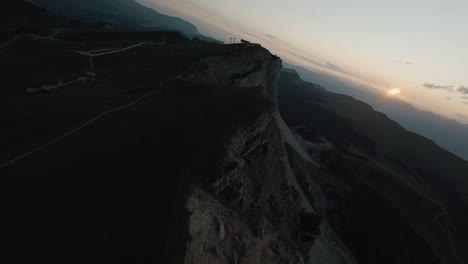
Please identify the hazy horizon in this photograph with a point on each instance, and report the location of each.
(416, 48)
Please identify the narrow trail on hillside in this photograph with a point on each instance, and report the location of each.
(92, 54)
(102, 52)
(9, 42)
(107, 51)
(32, 36)
(90, 75)
(87, 123)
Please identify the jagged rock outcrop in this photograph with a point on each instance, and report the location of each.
(250, 213)
(249, 66)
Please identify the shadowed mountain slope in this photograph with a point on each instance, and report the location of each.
(447, 133)
(120, 14)
(423, 184)
(19, 14)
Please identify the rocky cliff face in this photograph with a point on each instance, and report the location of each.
(254, 211)
(249, 214)
(246, 66)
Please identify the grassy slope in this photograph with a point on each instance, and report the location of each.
(113, 191)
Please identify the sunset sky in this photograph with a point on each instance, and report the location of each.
(419, 47)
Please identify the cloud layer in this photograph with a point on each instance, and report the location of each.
(327, 65)
(405, 62)
(462, 89)
(437, 86)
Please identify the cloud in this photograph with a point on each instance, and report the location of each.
(448, 98)
(448, 88)
(465, 97)
(465, 103)
(251, 34)
(327, 65)
(334, 67)
(304, 58)
(337, 68)
(223, 21)
(462, 89)
(405, 62)
(462, 117)
(270, 36)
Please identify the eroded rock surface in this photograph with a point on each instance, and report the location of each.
(250, 213)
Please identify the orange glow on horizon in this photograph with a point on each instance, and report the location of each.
(394, 91)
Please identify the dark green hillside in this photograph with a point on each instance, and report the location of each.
(120, 14)
(24, 16)
(112, 192)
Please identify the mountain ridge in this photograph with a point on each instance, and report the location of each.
(445, 132)
(413, 177)
(121, 14)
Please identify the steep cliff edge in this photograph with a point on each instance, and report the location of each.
(246, 65)
(248, 213)
(254, 210)
(317, 187)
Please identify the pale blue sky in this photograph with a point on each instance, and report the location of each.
(389, 44)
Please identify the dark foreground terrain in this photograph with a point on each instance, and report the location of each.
(112, 155)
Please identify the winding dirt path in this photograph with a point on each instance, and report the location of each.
(9, 42)
(87, 123)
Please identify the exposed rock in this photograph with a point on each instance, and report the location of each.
(250, 213)
(238, 245)
(252, 66)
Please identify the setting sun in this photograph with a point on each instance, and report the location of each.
(394, 92)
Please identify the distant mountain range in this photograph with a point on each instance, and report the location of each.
(447, 133)
(395, 185)
(120, 14)
(15, 14)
